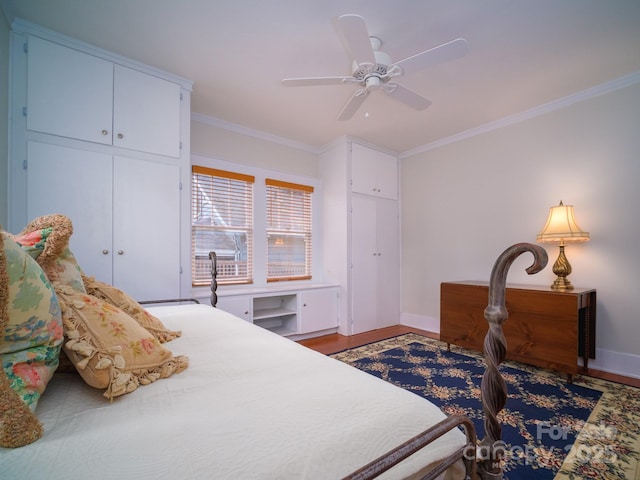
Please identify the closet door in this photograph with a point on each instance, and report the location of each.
(146, 113)
(70, 93)
(375, 277)
(364, 290)
(146, 237)
(75, 183)
(373, 172)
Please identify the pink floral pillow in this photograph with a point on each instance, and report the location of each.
(46, 239)
(30, 338)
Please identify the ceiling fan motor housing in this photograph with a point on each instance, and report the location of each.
(364, 70)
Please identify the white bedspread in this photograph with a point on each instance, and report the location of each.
(251, 405)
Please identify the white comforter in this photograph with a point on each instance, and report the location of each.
(251, 405)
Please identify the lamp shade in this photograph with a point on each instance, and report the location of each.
(562, 227)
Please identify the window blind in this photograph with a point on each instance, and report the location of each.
(221, 221)
(289, 236)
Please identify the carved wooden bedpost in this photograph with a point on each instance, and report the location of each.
(214, 276)
(494, 388)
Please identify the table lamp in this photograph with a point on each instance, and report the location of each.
(562, 227)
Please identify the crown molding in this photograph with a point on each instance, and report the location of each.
(581, 96)
(236, 128)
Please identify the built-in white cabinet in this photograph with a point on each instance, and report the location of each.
(361, 245)
(104, 140)
(375, 260)
(295, 312)
(374, 172)
(117, 215)
(78, 95)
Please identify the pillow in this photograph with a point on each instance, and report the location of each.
(124, 302)
(46, 239)
(109, 348)
(30, 338)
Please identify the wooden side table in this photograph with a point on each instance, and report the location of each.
(546, 328)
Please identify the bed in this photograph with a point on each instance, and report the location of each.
(254, 405)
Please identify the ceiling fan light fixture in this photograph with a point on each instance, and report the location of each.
(372, 82)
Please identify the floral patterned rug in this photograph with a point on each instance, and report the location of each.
(553, 429)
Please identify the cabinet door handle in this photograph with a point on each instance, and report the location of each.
(120, 136)
(120, 252)
(105, 132)
(105, 252)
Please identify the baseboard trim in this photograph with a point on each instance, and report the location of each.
(609, 361)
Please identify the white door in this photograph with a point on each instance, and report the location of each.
(373, 172)
(75, 183)
(388, 278)
(364, 281)
(146, 235)
(70, 92)
(318, 310)
(146, 113)
(238, 306)
(375, 255)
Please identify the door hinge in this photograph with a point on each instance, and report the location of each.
(180, 186)
(181, 96)
(25, 47)
(24, 164)
(180, 145)
(24, 111)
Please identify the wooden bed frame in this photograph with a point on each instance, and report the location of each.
(482, 460)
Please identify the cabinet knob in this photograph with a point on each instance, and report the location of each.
(120, 136)
(120, 252)
(105, 252)
(246, 312)
(304, 304)
(105, 132)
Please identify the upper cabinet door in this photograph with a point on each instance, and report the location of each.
(146, 113)
(373, 172)
(77, 95)
(70, 92)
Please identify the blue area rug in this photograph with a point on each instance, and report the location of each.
(551, 427)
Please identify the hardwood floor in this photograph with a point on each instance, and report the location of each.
(329, 344)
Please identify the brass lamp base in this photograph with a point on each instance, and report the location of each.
(562, 269)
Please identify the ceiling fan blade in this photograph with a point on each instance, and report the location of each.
(354, 103)
(302, 82)
(355, 37)
(447, 51)
(406, 96)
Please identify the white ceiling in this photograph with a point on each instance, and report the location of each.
(522, 54)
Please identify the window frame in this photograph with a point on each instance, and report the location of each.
(292, 220)
(259, 225)
(240, 206)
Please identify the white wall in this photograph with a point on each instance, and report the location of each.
(4, 117)
(464, 203)
(225, 144)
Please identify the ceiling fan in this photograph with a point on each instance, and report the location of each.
(374, 70)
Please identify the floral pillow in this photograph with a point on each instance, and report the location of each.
(30, 338)
(110, 349)
(46, 239)
(124, 302)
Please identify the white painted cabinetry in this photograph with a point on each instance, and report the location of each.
(295, 312)
(375, 262)
(104, 140)
(362, 249)
(373, 172)
(116, 213)
(77, 95)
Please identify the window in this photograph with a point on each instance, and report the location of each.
(221, 221)
(288, 231)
